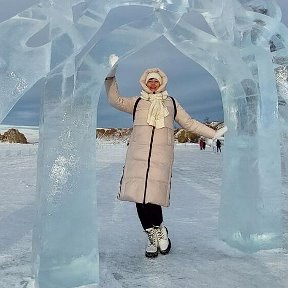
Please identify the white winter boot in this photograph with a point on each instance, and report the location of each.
(152, 245)
(164, 242)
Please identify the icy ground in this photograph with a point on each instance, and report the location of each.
(198, 258)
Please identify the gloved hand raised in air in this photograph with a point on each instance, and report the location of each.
(219, 133)
(113, 59)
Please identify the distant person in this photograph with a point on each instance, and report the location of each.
(218, 145)
(201, 143)
(147, 172)
(214, 146)
(204, 144)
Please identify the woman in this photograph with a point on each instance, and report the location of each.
(148, 167)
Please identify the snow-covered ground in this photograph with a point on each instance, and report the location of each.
(198, 258)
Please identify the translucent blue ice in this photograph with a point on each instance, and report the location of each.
(62, 41)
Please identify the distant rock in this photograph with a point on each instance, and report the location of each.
(121, 134)
(180, 135)
(13, 136)
(183, 136)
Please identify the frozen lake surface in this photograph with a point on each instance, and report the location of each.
(197, 258)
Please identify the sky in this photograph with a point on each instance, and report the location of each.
(198, 258)
(195, 89)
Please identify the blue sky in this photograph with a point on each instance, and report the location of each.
(189, 83)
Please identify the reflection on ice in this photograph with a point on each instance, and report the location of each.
(252, 242)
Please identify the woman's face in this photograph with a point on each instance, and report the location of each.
(153, 84)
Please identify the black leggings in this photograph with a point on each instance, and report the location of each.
(149, 214)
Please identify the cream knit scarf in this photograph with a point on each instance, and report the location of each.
(157, 111)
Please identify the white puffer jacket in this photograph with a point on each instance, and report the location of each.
(148, 166)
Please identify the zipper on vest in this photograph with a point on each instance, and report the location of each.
(148, 165)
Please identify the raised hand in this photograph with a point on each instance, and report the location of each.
(219, 133)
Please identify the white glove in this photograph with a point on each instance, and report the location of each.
(113, 63)
(219, 133)
(113, 59)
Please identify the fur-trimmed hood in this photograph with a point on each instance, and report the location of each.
(154, 70)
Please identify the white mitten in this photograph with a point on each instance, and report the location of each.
(113, 63)
(113, 59)
(219, 133)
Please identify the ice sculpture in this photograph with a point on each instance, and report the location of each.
(247, 57)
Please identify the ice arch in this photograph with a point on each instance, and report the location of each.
(247, 57)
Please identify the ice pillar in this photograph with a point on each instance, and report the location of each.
(65, 236)
(240, 60)
(250, 211)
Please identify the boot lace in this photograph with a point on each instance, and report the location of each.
(160, 232)
(152, 238)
